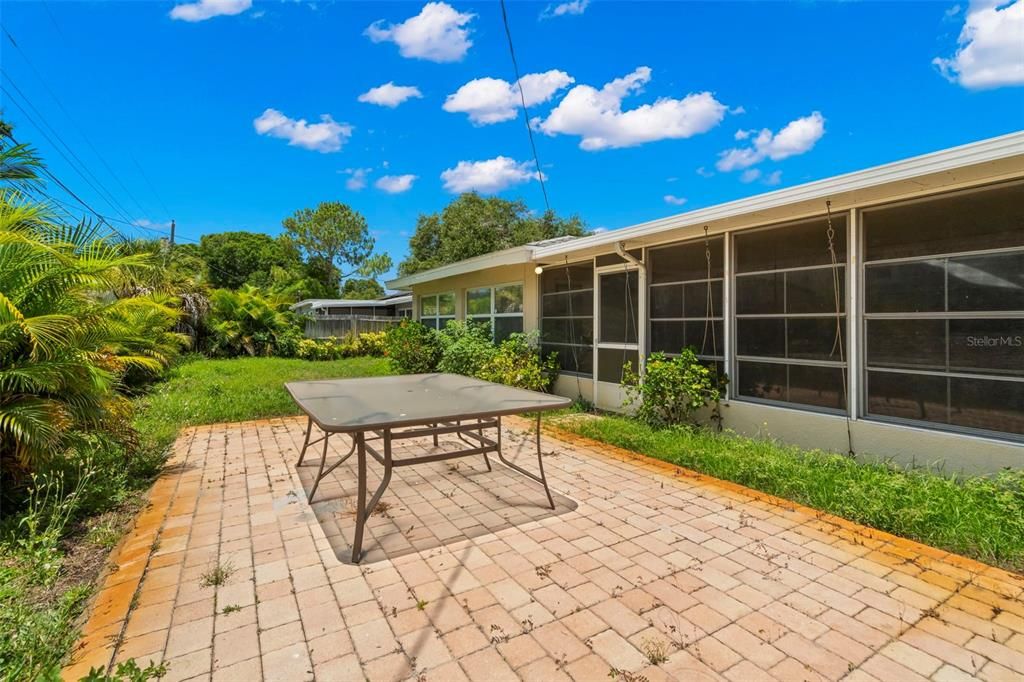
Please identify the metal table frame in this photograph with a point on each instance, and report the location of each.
(472, 432)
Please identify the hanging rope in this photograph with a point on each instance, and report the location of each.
(709, 314)
(838, 343)
(572, 331)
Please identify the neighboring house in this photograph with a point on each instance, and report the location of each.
(929, 365)
(395, 305)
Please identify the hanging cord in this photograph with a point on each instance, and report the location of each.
(572, 332)
(838, 344)
(629, 319)
(709, 323)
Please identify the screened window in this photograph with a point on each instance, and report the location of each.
(685, 299)
(788, 335)
(567, 316)
(437, 309)
(944, 310)
(501, 308)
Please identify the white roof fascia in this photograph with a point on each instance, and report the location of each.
(514, 256)
(936, 162)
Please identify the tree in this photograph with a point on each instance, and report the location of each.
(362, 289)
(473, 225)
(335, 241)
(237, 258)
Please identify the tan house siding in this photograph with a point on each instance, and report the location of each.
(506, 274)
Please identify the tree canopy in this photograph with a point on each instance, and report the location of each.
(237, 258)
(473, 225)
(361, 289)
(336, 241)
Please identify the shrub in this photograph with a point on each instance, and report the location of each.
(466, 347)
(245, 322)
(330, 348)
(412, 348)
(518, 362)
(672, 389)
(371, 344)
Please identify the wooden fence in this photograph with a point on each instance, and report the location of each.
(323, 326)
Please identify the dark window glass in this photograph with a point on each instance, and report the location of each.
(994, 282)
(505, 326)
(819, 386)
(762, 380)
(907, 396)
(619, 307)
(790, 246)
(566, 278)
(667, 337)
(917, 287)
(815, 338)
(667, 301)
(575, 359)
(814, 291)
(967, 221)
(906, 343)
(765, 337)
(685, 262)
(574, 304)
(695, 296)
(699, 336)
(610, 362)
(986, 404)
(442, 322)
(760, 294)
(430, 322)
(988, 346)
(571, 330)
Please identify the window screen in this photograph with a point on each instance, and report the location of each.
(685, 300)
(944, 310)
(567, 316)
(788, 335)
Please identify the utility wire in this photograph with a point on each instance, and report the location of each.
(526, 112)
(72, 118)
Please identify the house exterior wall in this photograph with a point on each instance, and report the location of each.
(506, 274)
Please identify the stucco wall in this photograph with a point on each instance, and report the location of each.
(506, 274)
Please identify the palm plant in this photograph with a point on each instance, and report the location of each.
(65, 340)
(244, 322)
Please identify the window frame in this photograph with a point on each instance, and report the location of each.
(437, 317)
(575, 348)
(945, 315)
(491, 316)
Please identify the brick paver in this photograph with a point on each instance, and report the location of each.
(643, 569)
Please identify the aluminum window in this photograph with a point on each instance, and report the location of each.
(437, 309)
(500, 307)
(567, 316)
(788, 335)
(944, 310)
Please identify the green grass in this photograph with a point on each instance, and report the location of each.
(212, 391)
(980, 517)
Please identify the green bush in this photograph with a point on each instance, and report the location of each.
(412, 348)
(372, 344)
(518, 362)
(671, 389)
(466, 347)
(330, 348)
(245, 322)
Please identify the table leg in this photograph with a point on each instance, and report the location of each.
(305, 444)
(320, 473)
(357, 543)
(542, 479)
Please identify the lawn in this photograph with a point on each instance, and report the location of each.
(48, 574)
(980, 517)
(206, 391)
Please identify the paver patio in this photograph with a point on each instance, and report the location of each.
(467, 575)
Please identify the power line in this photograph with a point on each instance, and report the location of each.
(71, 118)
(151, 187)
(526, 112)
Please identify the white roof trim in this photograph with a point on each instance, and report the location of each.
(936, 162)
(353, 302)
(514, 256)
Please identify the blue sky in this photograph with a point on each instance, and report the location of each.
(708, 101)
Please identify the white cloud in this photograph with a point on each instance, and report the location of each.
(492, 100)
(356, 178)
(773, 178)
(704, 172)
(565, 8)
(208, 9)
(597, 115)
(389, 94)
(750, 175)
(674, 200)
(743, 134)
(436, 34)
(797, 137)
(991, 46)
(149, 224)
(490, 176)
(324, 137)
(395, 184)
